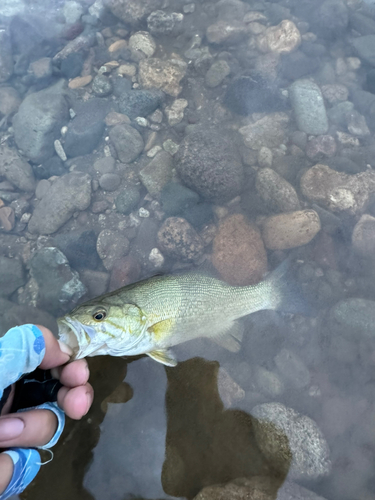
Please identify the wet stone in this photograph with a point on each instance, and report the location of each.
(163, 75)
(175, 112)
(105, 165)
(268, 383)
(353, 318)
(12, 276)
(111, 246)
(79, 247)
(178, 239)
(226, 32)
(292, 369)
(321, 146)
(308, 106)
(363, 237)
(72, 65)
(9, 101)
(216, 74)
(132, 11)
(281, 39)
(135, 103)
(79, 82)
(330, 19)
(101, 86)
(6, 57)
(142, 42)
(42, 188)
(175, 198)
(127, 200)
(276, 192)
(127, 142)
(15, 169)
(163, 23)
(157, 173)
(269, 131)
(125, 271)
(109, 182)
(7, 218)
(52, 166)
(365, 47)
(96, 282)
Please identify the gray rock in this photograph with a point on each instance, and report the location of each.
(269, 131)
(105, 165)
(110, 181)
(39, 120)
(12, 276)
(340, 112)
(276, 192)
(291, 442)
(157, 173)
(59, 288)
(79, 247)
(135, 103)
(127, 200)
(67, 194)
(209, 162)
(176, 198)
(216, 74)
(9, 101)
(353, 318)
(42, 188)
(365, 47)
(163, 23)
(141, 44)
(102, 86)
(361, 23)
(6, 57)
(293, 491)
(178, 239)
(132, 11)
(16, 170)
(127, 142)
(269, 383)
(292, 369)
(12, 314)
(111, 246)
(96, 282)
(72, 11)
(308, 106)
(330, 19)
(363, 236)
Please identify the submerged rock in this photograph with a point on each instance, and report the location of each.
(363, 237)
(12, 276)
(163, 75)
(6, 57)
(178, 239)
(308, 106)
(269, 131)
(127, 141)
(132, 11)
(135, 103)
(157, 173)
(275, 191)
(15, 169)
(281, 39)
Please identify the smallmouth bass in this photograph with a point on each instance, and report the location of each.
(153, 315)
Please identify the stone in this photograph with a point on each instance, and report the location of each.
(96, 282)
(79, 247)
(105, 165)
(292, 369)
(282, 39)
(337, 191)
(42, 188)
(72, 11)
(330, 19)
(12, 276)
(265, 157)
(269, 131)
(308, 106)
(9, 101)
(216, 74)
(102, 86)
(72, 66)
(163, 23)
(179, 240)
(15, 169)
(157, 173)
(79, 82)
(352, 319)
(58, 287)
(49, 168)
(320, 146)
(41, 69)
(111, 246)
(297, 64)
(129, 70)
(268, 382)
(110, 181)
(276, 192)
(114, 118)
(175, 112)
(135, 103)
(290, 230)
(67, 194)
(365, 47)
(238, 253)
(6, 56)
(127, 142)
(363, 236)
(156, 258)
(132, 11)
(226, 32)
(127, 200)
(163, 75)
(176, 198)
(209, 163)
(229, 391)
(291, 442)
(143, 42)
(335, 93)
(39, 120)
(125, 271)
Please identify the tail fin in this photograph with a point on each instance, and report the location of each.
(286, 295)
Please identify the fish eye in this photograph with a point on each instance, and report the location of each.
(99, 315)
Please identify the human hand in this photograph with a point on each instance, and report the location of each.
(22, 349)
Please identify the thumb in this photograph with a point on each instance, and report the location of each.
(57, 353)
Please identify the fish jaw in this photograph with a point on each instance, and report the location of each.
(83, 340)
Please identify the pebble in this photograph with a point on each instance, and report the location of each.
(170, 146)
(7, 218)
(292, 369)
(269, 131)
(179, 240)
(175, 112)
(320, 146)
(151, 153)
(105, 165)
(135, 103)
(216, 74)
(229, 391)
(156, 258)
(291, 442)
(363, 236)
(113, 118)
(163, 75)
(12, 275)
(60, 150)
(127, 70)
(353, 319)
(102, 86)
(238, 253)
(9, 101)
(111, 246)
(308, 106)
(15, 169)
(133, 11)
(79, 82)
(290, 230)
(337, 191)
(163, 23)
(127, 142)
(335, 93)
(6, 58)
(117, 46)
(96, 282)
(281, 39)
(142, 41)
(276, 192)
(176, 198)
(157, 173)
(226, 32)
(268, 382)
(265, 157)
(364, 45)
(127, 200)
(42, 188)
(110, 181)
(79, 247)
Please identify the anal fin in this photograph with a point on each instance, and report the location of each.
(163, 356)
(230, 337)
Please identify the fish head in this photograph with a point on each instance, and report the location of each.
(98, 328)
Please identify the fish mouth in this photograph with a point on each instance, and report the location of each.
(80, 338)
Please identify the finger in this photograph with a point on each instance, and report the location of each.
(76, 402)
(74, 374)
(28, 429)
(57, 353)
(6, 471)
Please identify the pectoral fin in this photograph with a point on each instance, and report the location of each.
(163, 356)
(229, 337)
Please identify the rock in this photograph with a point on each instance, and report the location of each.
(291, 442)
(281, 39)
(292, 369)
(67, 194)
(142, 42)
(132, 11)
(156, 258)
(246, 95)
(209, 162)
(72, 66)
(238, 252)
(163, 75)
(179, 240)
(365, 47)
(308, 106)
(157, 173)
(14, 315)
(9, 101)
(330, 19)
(49, 168)
(176, 198)
(163, 23)
(290, 230)
(127, 142)
(79, 82)
(128, 70)
(109, 182)
(102, 86)
(111, 246)
(15, 169)
(276, 192)
(297, 64)
(229, 391)
(72, 11)
(135, 103)
(96, 282)
(125, 271)
(175, 112)
(338, 191)
(6, 56)
(39, 120)
(265, 157)
(335, 93)
(127, 200)
(79, 247)
(363, 237)
(105, 165)
(226, 32)
(269, 131)
(114, 118)
(292, 491)
(42, 188)
(216, 74)
(57, 285)
(361, 23)
(268, 382)
(320, 146)
(41, 69)
(340, 113)
(353, 319)
(12, 276)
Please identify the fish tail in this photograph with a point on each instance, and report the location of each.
(285, 293)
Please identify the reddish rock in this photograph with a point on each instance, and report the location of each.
(7, 218)
(322, 145)
(125, 271)
(238, 251)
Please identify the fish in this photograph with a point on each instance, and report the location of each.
(153, 315)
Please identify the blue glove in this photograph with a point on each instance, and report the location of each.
(22, 349)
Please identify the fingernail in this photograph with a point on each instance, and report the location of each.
(89, 401)
(65, 348)
(10, 428)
